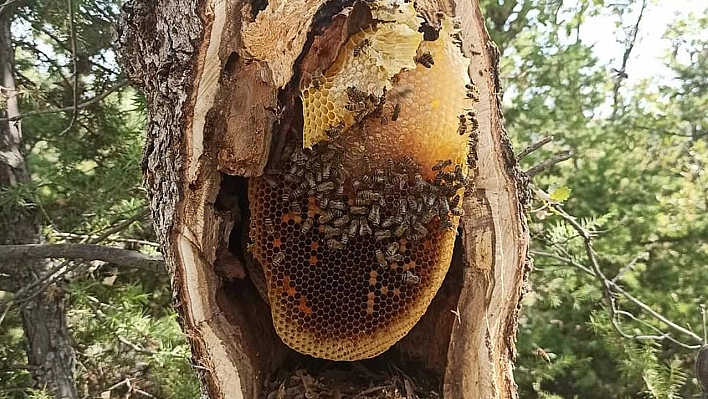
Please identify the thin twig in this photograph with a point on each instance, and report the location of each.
(75, 63)
(622, 72)
(629, 266)
(533, 147)
(560, 157)
(610, 288)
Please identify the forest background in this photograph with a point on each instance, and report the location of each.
(615, 304)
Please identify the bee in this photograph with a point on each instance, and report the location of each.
(420, 229)
(317, 80)
(395, 258)
(270, 180)
(334, 131)
(384, 120)
(459, 175)
(427, 216)
(340, 190)
(340, 221)
(419, 184)
(334, 244)
(291, 177)
(401, 214)
(388, 222)
(425, 59)
(307, 225)
(429, 198)
(353, 227)
(361, 47)
(374, 215)
(326, 170)
(379, 176)
(382, 234)
(278, 259)
(326, 186)
(438, 179)
(410, 278)
(463, 128)
(355, 95)
(443, 206)
(269, 227)
(400, 230)
(328, 154)
(408, 163)
(392, 248)
(412, 203)
(300, 158)
(367, 180)
(442, 164)
(286, 196)
(381, 258)
(356, 184)
(341, 205)
(540, 352)
(359, 210)
(321, 200)
(355, 107)
(455, 200)
(457, 211)
(399, 181)
(368, 195)
(310, 179)
(331, 231)
(295, 206)
(396, 112)
(472, 92)
(445, 222)
(364, 228)
(326, 217)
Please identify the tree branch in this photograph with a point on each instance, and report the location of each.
(611, 289)
(533, 147)
(622, 72)
(82, 105)
(118, 256)
(560, 157)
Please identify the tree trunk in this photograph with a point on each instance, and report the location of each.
(227, 86)
(49, 351)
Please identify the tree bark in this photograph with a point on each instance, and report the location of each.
(49, 351)
(220, 78)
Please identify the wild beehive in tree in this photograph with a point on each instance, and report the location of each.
(355, 221)
(345, 160)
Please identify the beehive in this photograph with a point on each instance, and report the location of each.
(355, 231)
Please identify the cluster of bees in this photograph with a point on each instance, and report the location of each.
(387, 204)
(364, 104)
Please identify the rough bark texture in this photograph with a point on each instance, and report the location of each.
(49, 351)
(216, 76)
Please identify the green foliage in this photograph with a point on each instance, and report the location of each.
(638, 183)
(84, 163)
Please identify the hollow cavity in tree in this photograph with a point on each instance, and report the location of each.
(355, 232)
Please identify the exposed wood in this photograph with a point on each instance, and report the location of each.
(221, 93)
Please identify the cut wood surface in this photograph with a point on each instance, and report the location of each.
(219, 79)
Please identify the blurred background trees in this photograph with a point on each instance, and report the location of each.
(636, 188)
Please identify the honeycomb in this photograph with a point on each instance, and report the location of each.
(355, 224)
